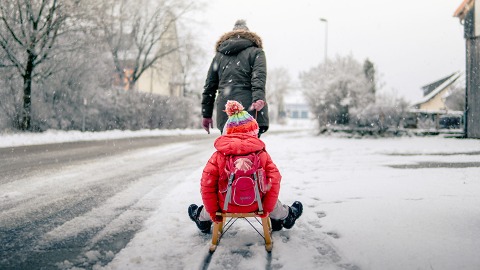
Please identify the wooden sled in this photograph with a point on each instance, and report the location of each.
(219, 226)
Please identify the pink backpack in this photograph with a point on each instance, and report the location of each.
(246, 182)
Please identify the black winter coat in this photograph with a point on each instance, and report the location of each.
(239, 72)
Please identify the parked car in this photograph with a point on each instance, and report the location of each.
(450, 121)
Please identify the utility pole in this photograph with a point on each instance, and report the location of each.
(85, 102)
(326, 36)
(469, 14)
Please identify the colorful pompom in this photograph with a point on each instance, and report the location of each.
(233, 107)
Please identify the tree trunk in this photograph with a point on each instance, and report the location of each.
(131, 81)
(27, 93)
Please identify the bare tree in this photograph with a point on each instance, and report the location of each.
(29, 33)
(278, 84)
(456, 98)
(192, 70)
(138, 34)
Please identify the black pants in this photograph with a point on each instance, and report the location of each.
(262, 129)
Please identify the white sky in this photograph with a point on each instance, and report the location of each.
(412, 43)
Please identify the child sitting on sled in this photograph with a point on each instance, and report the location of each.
(240, 137)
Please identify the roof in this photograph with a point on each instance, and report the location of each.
(463, 9)
(445, 83)
(427, 89)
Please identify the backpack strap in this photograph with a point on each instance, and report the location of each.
(257, 193)
(228, 197)
(257, 184)
(231, 169)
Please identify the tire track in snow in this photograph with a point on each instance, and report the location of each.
(58, 214)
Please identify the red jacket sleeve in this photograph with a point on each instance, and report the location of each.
(209, 184)
(274, 177)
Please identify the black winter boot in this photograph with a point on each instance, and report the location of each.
(194, 213)
(277, 224)
(294, 212)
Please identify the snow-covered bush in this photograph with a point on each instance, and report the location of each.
(77, 98)
(10, 101)
(342, 96)
(387, 112)
(336, 87)
(114, 109)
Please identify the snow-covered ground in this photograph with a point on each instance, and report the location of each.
(389, 203)
(58, 136)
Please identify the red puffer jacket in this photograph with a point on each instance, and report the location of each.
(237, 144)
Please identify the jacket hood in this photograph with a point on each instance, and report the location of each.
(238, 144)
(235, 41)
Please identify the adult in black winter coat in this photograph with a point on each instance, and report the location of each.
(238, 72)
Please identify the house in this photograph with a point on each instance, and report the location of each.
(165, 77)
(434, 111)
(436, 93)
(296, 106)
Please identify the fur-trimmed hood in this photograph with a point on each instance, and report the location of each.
(234, 41)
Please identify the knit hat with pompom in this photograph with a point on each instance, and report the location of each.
(239, 120)
(240, 25)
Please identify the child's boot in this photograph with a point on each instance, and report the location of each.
(277, 224)
(194, 213)
(294, 212)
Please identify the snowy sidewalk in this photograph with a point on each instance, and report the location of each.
(360, 213)
(59, 136)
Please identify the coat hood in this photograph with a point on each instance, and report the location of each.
(235, 41)
(238, 144)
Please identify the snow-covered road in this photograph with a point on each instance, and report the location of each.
(386, 203)
(61, 209)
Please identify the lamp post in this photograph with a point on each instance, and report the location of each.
(326, 36)
(85, 102)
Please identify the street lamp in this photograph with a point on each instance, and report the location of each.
(326, 36)
(85, 102)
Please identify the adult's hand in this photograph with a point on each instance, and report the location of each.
(257, 105)
(207, 123)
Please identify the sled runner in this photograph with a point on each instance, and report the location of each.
(218, 228)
